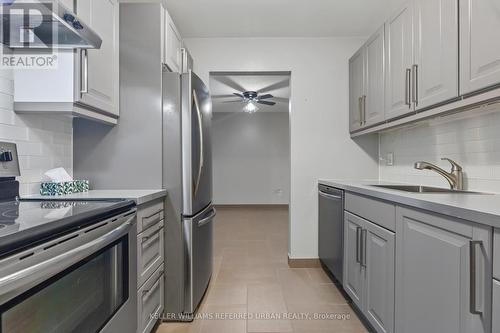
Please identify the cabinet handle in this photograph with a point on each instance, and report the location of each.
(358, 243)
(84, 71)
(364, 109)
(415, 84)
(363, 247)
(408, 87)
(360, 109)
(473, 280)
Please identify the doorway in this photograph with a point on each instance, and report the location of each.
(251, 137)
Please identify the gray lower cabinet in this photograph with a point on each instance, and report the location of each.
(353, 271)
(150, 301)
(443, 274)
(496, 307)
(369, 270)
(150, 264)
(150, 248)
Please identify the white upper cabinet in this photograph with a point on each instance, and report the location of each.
(399, 62)
(374, 79)
(479, 45)
(356, 90)
(85, 83)
(173, 45)
(99, 79)
(435, 70)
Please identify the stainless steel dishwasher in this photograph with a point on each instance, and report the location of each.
(331, 229)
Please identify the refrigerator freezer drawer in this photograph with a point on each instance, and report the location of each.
(199, 241)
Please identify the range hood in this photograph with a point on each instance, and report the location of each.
(44, 24)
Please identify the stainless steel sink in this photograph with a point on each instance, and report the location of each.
(424, 189)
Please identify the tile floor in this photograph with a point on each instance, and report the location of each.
(253, 287)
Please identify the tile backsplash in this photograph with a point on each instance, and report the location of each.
(43, 142)
(471, 139)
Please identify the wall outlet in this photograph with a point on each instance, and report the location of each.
(278, 192)
(389, 159)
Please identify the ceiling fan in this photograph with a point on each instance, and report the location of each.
(251, 98)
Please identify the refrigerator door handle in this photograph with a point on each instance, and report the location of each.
(200, 128)
(208, 219)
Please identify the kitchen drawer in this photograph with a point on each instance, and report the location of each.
(376, 211)
(496, 306)
(496, 254)
(150, 255)
(150, 300)
(149, 214)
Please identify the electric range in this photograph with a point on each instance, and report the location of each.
(65, 265)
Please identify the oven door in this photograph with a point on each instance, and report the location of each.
(82, 282)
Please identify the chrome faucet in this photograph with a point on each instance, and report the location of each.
(455, 177)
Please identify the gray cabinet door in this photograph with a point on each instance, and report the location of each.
(374, 79)
(433, 274)
(399, 61)
(435, 73)
(97, 69)
(496, 306)
(379, 286)
(479, 44)
(353, 271)
(356, 89)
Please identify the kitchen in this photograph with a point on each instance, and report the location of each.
(371, 102)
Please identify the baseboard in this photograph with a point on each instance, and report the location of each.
(304, 263)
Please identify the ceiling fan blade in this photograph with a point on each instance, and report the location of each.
(235, 101)
(228, 82)
(239, 95)
(281, 99)
(222, 96)
(275, 86)
(266, 96)
(266, 103)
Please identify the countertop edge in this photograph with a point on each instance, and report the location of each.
(420, 201)
(140, 197)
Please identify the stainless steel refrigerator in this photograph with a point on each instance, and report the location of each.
(187, 159)
(162, 139)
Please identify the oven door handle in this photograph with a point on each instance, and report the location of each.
(41, 271)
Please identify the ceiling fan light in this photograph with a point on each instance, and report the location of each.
(250, 107)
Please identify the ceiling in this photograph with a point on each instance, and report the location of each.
(279, 18)
(224, 85)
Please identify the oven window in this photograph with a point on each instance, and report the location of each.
(80, 299)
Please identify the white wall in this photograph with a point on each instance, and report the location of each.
(43, 142)
(471, 139)
(251, 156)
(320, 143)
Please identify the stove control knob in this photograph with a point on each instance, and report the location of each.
(6, 156)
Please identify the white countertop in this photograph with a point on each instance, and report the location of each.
(139, 196)
(481, 208)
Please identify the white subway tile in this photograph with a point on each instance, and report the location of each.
(473, 141)
(13, 133)
(6, 101)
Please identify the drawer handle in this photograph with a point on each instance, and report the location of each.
(145, 292)
(358, 243)
(473, 279)
(152, 215)
(363, 247)
(152, 235)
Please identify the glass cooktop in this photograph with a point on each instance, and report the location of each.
(30, 218)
